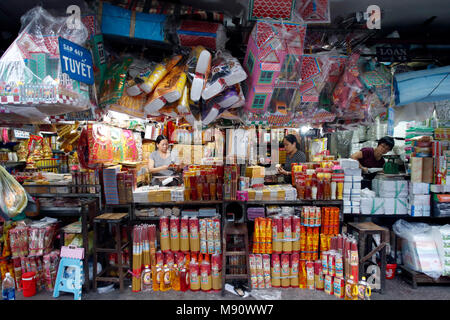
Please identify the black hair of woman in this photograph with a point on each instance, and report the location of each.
(160, 138)
(293, 139)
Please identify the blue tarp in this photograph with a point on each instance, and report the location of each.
(422, 86)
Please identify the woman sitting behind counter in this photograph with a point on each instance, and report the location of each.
(162, 162)
(373, 157)
(293, 155)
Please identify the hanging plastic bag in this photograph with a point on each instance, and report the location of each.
(13, 198)
(113, 84)
(199, 67)
(183, 107)
(169, 90)
(225, 72)
(30, 69)
(349, 85)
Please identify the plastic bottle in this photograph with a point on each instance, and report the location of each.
(155, 277)
(349, 287)
(166, 281)
(146, 279)
(184, 280)
(175, 278)
(364, 290)
(8, 288)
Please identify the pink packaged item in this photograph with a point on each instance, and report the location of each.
(72, 252)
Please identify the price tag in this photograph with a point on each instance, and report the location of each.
(19, 134)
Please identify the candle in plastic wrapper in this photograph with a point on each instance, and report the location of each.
(205, 276)
(338, 286)
(266, 269)
(294, 269)
(194, 240)
(253, 273)
(310, 275)
(210, 235)
(277, 235)
(259, 270)
(318, 275)
(332, 263)
(339, 269)
(354, 261)
(164, 234)
(256, 237)
(262, 236)
(296, 233)
(194, 276)
(216, 232)
(216, 272)
(217, 247)
(169, 258)
(285, 270)
(184, 234)
(328, 286)
(325, 263)
(159, 258)
(269, 236)
(179, 259)
(174, 233)
(287, 234)
(276, 270)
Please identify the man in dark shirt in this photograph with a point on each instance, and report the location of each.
(373, 157)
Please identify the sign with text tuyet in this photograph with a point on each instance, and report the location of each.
(76, 61)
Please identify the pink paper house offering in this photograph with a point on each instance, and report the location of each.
(313, 11)
(279, 9)
(273, 61)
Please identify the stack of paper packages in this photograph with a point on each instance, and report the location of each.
(388, 197)
(352, 186)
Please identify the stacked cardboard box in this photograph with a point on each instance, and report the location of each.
(352, 186)
(419, 199)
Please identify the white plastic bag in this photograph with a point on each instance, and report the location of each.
(419, 248)
(13, 198)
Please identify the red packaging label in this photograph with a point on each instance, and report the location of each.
(169, 258)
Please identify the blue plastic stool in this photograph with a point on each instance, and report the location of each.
(70, 272)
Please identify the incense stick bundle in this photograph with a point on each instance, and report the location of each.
(146, 232)
(152, 237)
(135, 260)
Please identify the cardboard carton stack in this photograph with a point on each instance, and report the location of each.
(419, 199)
(352, 186)
(394, 194)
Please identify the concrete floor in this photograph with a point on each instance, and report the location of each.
(396, 289)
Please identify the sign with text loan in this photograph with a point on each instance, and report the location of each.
(76, 61)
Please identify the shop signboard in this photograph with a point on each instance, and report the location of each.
(393, 53)
(76, 61)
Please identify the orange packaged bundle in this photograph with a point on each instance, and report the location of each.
(253, 273)
(164, 234)
(259, 270)
(266, 269)
(315, 244)
(294, 269)
(194, 240)
(276, 270)
(184, 234)
(256, 237)
(277, 234)
(302, 274)
(268, 236)
(287, 233)
(174, 233)
(303, 239)
(262, 236)
(296, 233)
(285, 270)
(336, 220)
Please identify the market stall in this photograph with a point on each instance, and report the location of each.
(281, 143)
